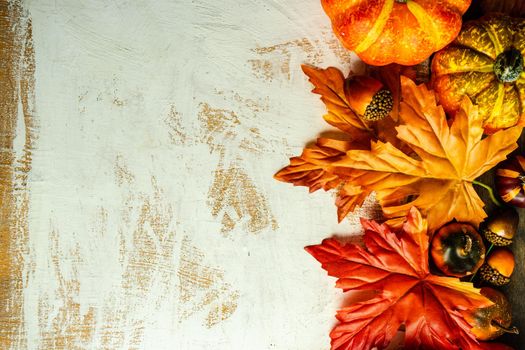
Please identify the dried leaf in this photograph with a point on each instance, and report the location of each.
(413, 158)
(329, 83)
(439, 180)
(312, 168)
(348, 198)
(430, 307)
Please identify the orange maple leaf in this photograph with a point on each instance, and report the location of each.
(395, 265)
(329, 83)
(428, 164)
(313, 168)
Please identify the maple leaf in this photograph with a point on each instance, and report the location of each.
(449, 158)
(395, 265)
(313, 168)
(310, 169)
(329, 83)
(412, 158)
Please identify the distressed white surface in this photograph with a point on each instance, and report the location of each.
(107, 75)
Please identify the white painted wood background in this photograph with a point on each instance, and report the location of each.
(154, 220)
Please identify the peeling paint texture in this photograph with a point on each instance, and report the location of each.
(138, 143)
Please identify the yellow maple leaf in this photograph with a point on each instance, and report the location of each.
(439, 180)
(411, 158)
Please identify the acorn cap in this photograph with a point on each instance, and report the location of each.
(501, 227)
(498, 268)
(368, 97)
(492, 276)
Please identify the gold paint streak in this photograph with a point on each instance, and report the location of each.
(262, 69)
(339, 51)
(17, 90)
(263, 105)
(66, 326)
(149, 262)
(145, 245)
(176, 131)
(202, 288)
(122, 173)
(220, 126)
(148, 266)
(284, 48)
(217, 122)
(223, 311)
(254, 142)
(228, 224)
(234, 194)
(276, 59)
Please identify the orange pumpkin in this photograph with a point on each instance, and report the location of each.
(395, 31)
(485, 63)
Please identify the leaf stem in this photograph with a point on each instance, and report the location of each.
(490, 249)
(490, 191)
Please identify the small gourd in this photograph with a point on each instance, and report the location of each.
(457, 249)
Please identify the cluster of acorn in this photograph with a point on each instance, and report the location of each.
(458, 250)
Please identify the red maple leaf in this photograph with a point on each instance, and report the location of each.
(395, 265)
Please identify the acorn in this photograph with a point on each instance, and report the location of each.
(501, 227)
(457, 249)
(498, 268)
(368, 97)
(491, 322)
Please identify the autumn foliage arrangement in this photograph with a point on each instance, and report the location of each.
(395, 264)
(414, 157)
(419, 149)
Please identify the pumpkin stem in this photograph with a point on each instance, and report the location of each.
(512, 329)
(402, 1)
(490, 191)
(508, 66)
